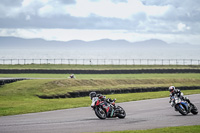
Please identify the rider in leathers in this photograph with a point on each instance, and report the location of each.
(103, 98)
(174, 91)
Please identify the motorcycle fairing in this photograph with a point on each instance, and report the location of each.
(184, 104)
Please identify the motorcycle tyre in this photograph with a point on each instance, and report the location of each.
(121, 116)
(180, 110)
(98, 113)
(194, 109)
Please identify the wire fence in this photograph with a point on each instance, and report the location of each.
(102, 61)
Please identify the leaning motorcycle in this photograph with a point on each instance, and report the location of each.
(105, 110)
(183, 106)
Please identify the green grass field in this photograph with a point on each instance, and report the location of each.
(107, 76)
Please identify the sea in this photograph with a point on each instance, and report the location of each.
(99, 56)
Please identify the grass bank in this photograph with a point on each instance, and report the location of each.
(86, 82)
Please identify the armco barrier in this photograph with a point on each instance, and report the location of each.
(117, 91)
(10, 80)
(136, 71)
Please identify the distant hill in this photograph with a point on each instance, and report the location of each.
(19, 48)
(151, 43)
(14, 42)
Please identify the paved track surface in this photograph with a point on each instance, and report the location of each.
(145, 114)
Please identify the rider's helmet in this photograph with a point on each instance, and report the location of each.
(101, 97)
(92, 94)
(171, 88)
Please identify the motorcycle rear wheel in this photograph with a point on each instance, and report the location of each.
(100, 113)
(194, 109)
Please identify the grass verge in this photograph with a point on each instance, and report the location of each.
(180, 129)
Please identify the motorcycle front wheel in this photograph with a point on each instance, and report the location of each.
(181, 110)
(100, 113)
(121, 112)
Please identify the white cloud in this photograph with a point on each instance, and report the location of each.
(182, 27)
(106, 8)
(27, 3)
(45, 10)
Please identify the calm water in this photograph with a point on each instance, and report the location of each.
(99, 54)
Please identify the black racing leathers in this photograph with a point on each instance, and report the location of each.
(179, 94)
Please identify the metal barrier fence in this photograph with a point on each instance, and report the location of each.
(102, 61)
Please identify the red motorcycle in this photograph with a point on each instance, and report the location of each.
(105, 109)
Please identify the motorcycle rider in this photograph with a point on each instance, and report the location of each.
(100, 96)
(72, 76)
(174, 91)
(107, 101)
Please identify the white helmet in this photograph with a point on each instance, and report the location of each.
(171, 88)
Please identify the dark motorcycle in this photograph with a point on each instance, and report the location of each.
(105, 110)
(183, 106)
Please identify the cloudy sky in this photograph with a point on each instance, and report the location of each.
(131, 20)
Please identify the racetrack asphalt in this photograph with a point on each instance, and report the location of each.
(144, 114)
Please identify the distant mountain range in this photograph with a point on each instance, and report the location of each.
(13, 47)
(14, 42)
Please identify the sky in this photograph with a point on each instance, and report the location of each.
(132, 20)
